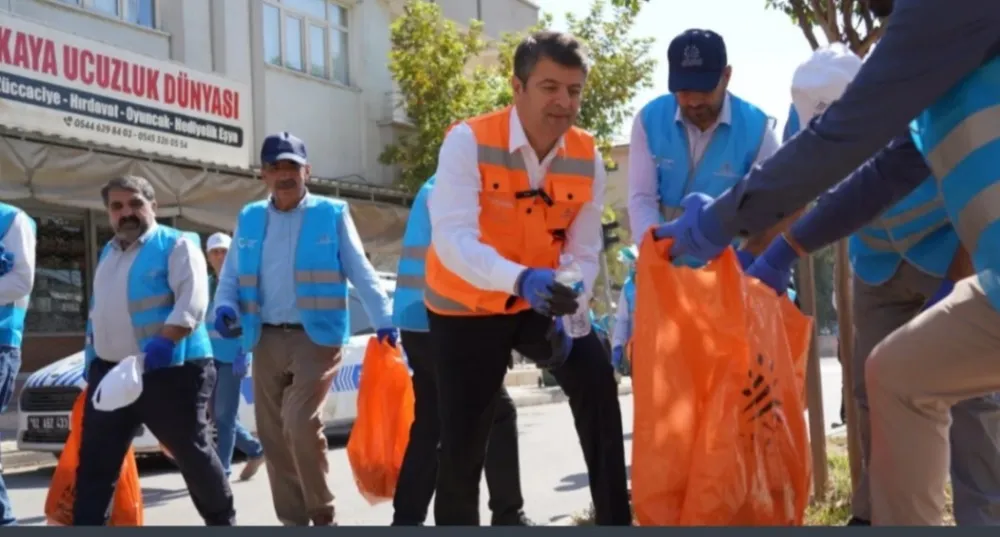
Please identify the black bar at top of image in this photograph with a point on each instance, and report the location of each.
(64, 106)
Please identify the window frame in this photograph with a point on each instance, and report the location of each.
(89, 6)
(306, 22)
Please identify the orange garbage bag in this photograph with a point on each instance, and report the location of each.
(381, 431)
(127, 508)
(718, 374)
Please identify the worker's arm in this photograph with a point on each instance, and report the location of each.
(361, 273)
(584, 238)
(643, 191)
(454, 209)
(886, 178)
(187, 275)
(623, 323)
(227, 290)
(757, 243)
(928, 46)
(20, 241)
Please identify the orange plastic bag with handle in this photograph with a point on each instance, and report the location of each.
(127, 508)
(718, 372)
(381, 431)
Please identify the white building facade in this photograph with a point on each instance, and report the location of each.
(182, 92)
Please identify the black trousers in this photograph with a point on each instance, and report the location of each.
(418, 476)
(472, 354)
(174, 406)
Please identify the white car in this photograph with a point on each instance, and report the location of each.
(48, 394)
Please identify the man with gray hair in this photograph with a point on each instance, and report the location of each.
(150, 298)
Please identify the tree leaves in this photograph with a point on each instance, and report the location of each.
(844, 21)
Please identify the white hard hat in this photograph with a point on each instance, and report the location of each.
(822, 79)
(218, 240)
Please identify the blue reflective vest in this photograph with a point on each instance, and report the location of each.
(224, 349)
(12, 315)
(792, 125)
(629, 289)
(150, 299)
(408, 309)
(915, 229)
(729, 155)
(320, 282)
(959, 136)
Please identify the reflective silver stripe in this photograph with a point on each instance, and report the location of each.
(22, 302)
(977, 215)
(972, 133)
(410, 281)
(572, 166)
(893, 245)
(149, 303)
(318, 276)
(439, 303)
(417, 253)
(148, 330)
(248, 280)
(498, 156)
(912, 214)
(250, 307)
(321, 303)
(214, 335)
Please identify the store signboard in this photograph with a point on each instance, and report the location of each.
(56, 83)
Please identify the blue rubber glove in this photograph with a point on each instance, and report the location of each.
(227, 322)
(388, 335)
(562, 345)
(943, 291)
(241, 364)
(774, 266)
(696, 233)
(617, 357)
(546, 296)
(159, 353)
(746, 259)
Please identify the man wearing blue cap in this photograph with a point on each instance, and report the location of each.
(283, 289)
(698, 139)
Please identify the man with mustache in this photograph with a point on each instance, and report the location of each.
(697, 140)
(17, 277)
(150, 298)
(923, 104)
(283, 289)
(514, 189)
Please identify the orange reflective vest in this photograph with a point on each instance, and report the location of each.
(524, 225)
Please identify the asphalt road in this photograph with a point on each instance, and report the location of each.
(554, 478)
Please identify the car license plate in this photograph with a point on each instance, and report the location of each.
(48, 424)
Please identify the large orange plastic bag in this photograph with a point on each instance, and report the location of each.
(382, 430)
(718, 372)
(127, 508)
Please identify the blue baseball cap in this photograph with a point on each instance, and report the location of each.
(697, 59)
(283, 146)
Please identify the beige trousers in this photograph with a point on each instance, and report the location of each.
(291, 380)
(945, 355)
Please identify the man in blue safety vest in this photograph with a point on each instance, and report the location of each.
(900, 265)
(936, 62)
(695, 141)
(232, 364)
(17, 277)
(418, 475)
(283, 290)
(150, 298)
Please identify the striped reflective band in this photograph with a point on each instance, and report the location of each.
(440, 303)
(889, 222)
(412, 281)
(135, 307)
(303, 303)
(967, 137)
(561, 165)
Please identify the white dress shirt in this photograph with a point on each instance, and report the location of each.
(16, 285)
(643, 185)
(454, 210)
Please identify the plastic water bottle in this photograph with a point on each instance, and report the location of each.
(569, 274)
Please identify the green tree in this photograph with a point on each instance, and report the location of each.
(839, 21)
(632, 5)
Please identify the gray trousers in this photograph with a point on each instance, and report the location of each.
(975, 431)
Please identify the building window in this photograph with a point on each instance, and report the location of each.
(58, 301)
(309, 36)
(140, 12)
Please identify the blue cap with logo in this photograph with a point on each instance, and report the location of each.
(697, 59)
(283, 146)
